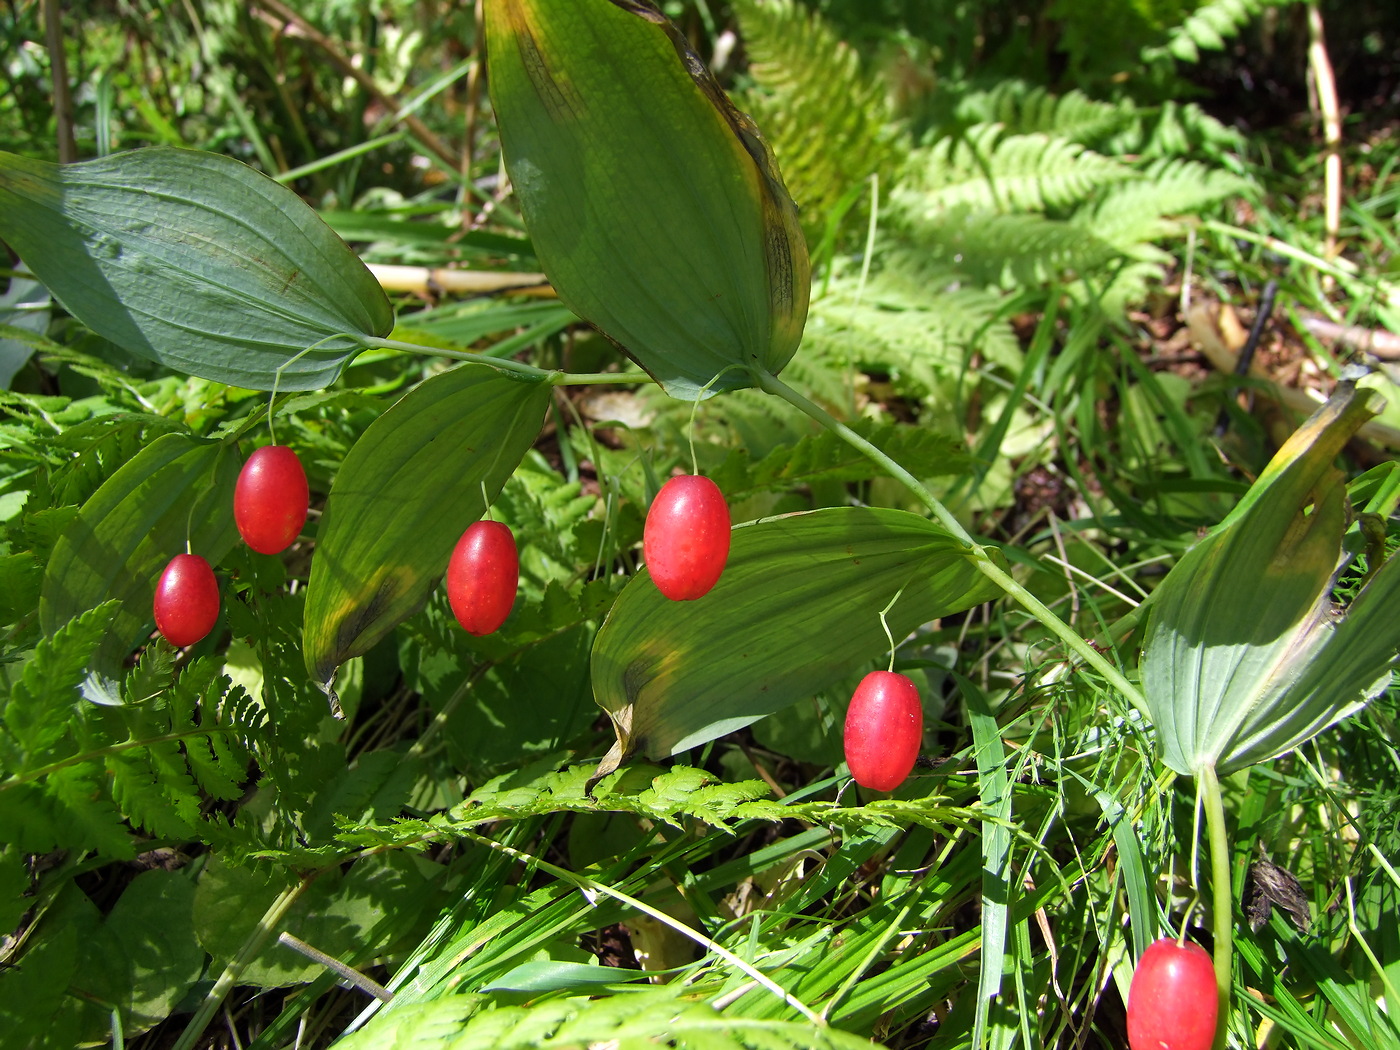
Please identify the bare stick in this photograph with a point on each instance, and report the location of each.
(1320, 66)
(58, 67)
(348, 973)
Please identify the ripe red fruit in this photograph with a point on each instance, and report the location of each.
(270, 499)
(884, 728)
(187, 600)
(1172, 1002)
(482, 576)
(686, 540)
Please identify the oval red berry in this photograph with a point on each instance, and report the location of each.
(270, 499)
(1172, 1002)
(686, 540)
(884, 729)
(482, 577)
(187, 600)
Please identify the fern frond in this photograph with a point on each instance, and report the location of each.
(624, 1022)
(38, 711)
(84, 770)
(1023, 108)
(829, 123)
(154, 790)
(1183, 129)
(663, 795)
(85, 817)
(986, 169)
(1134, 213)
(539, 502)
(918, 320)
(993, 250)
(1206, 28)
(98, 447)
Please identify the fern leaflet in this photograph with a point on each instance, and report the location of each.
(987, 169)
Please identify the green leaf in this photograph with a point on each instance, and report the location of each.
(1244, 656)
(405, 493)
(40, 705)
(194, 260)
(625, 1022)
(35, 1008)
(153, 926)
(351, 918)
(796, 611)
(995, 791)
(655, 207)
(25, 306)
(176, 487)
(551, 975)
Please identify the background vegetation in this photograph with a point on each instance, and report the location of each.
(1034, 227)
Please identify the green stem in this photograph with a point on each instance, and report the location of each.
(507, 364)
(504, 364)
(978, 553)
(598, 378)
(234, 970)
(1222, 898)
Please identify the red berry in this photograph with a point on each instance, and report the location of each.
(482, 576)
(686, 539)
(1172, 1002)
(187, 600)
(884, 728)
(270, 499)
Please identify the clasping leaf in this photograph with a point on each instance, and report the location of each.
(194, 260)
(654, 206)
(1245, 656)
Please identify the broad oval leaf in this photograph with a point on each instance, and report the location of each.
(654, 206)
(1245, 657)
(796, 610)
(402, 498)
(175, 488)
(194, 260)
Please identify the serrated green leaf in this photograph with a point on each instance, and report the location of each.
(625, 1022)
(178, 487)
(405, 493)
(796, 610)
(87, 817)
(39, 708)
(378, 784)
(654, 206)
(194, 260)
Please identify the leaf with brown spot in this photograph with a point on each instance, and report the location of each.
(403, 497)
(796, 611)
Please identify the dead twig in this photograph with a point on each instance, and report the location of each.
(62, 98)
(426, 280)
(1203, 333)
(1374, 341)
(1325, 84)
